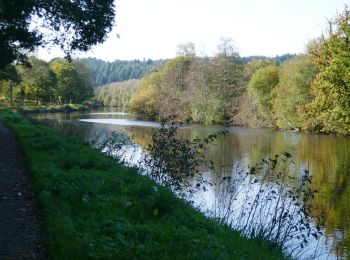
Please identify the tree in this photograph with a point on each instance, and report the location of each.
(330, 108)
(117, 94)
(225, 78)
(73, 84)
(146, 99)
(204, 89)
(293, 91)
(8, 80)
(86, 84)
(261, 88)
(173, 85)
(73, 25)
(186, 49)
(37, 81)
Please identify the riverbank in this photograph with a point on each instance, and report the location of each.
(50, 108)
(93, 208)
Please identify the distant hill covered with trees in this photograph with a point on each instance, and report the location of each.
(104, 72)
(279, 59)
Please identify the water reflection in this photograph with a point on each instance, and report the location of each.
(326, 157)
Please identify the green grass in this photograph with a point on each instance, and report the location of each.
(52, 108)
(93, 208)
(48, 107)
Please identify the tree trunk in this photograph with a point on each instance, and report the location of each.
(11, 93)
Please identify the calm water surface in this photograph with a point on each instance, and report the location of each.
(327, 157)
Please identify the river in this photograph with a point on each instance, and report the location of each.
(327, 158)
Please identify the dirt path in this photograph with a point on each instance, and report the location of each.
(20, 231)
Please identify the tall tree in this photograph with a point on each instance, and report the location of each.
(293, 91)
(146, 100)
(70, 24)
(225, 77)
(73, 81)
(330, 108)
(86, 84)
(261, 89)
(9, 78)
(37, 81)
(186, 49)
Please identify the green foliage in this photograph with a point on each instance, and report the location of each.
(173, 85)
(293, 91)
(37, 81)
(59, 81)
(252, 66)
(117, 94)
(204, 89)
(93, 208)
(261, 88)
(103, 72)
(176, 162)
(71, 25)
(8, 80)
(146, 100)
(278, 59)
(73, 82)
(329, 110)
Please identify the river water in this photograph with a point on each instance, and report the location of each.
(327, 158)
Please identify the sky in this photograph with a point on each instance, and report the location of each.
(154, 28)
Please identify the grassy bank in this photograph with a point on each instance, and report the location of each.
(50, 108)
(93, 208)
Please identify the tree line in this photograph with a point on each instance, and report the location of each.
(308, 91)
(103, 72)
(58, 81)
(313, 91)
(205, 89)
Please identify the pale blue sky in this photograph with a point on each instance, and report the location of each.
(154, 28)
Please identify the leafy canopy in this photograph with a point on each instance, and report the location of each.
(73, 25)
(293, 91)
(261, 88)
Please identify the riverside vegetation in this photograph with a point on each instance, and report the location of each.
(308, 91)
(266, 201)
(92, 207)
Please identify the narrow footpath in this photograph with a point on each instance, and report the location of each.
(20, 228)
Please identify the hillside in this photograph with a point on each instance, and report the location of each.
(104, 72)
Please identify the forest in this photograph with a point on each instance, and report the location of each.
(103, 72)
